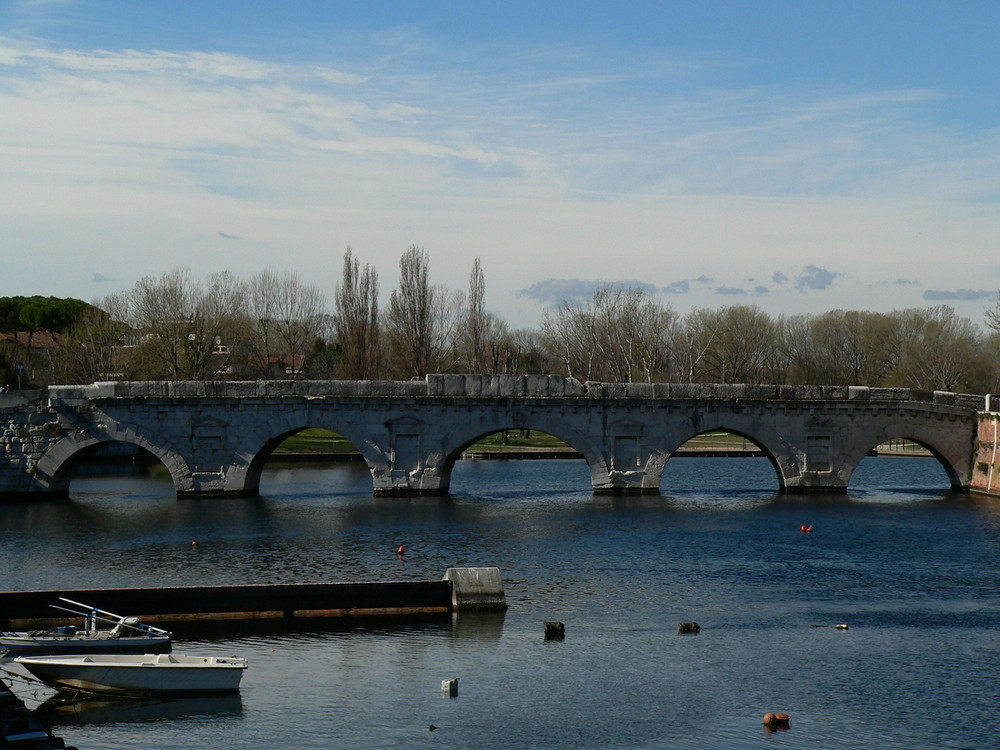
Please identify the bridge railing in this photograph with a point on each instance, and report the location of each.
(506, 386)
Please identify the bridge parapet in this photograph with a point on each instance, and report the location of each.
(501, 386)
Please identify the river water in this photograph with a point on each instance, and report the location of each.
(911, 568)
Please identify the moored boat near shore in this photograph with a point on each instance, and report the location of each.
(126, 634)
(138, 675)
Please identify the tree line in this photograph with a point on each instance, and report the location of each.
(275, 325)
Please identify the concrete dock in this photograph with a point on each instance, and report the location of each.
(460, 588)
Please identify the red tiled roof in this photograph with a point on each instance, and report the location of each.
(39, 339)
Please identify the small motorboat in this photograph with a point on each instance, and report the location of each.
(125, 634)
(138, 675)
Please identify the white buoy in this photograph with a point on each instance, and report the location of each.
(449, 687)
(842, 626)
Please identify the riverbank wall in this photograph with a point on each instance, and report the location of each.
(460, 589)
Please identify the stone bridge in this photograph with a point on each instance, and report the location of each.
(214, 437)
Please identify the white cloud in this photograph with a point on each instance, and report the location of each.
(141, 155)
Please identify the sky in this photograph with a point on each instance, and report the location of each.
(797, 156)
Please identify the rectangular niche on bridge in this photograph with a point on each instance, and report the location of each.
(626, 455)
(818, 453)
(406, 453)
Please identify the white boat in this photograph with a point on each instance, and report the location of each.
(138, 675)
(125, 634)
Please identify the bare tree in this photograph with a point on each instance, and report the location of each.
(620, 335)
(448, 313)
(409, 319)
(993, 315)
(635, 333)
(730, 345)
(299, 321)
(695, 339)
(476, 320)
(184, 324)
(93, 350)
(570, 335)
(260, 310)
(855, 347)
(356, 320)
(941, 351)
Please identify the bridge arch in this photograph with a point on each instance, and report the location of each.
(260, 440)
(54, 467)
(459, 439)
(785, 463)
(853, 460)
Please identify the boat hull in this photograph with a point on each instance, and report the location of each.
(139, 676)
(24, 643)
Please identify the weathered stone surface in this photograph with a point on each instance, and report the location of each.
(639, 390)
(476, 588)
(211, 436)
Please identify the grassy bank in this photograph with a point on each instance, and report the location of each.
(324, 441)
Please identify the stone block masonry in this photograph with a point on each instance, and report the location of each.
(214, 437)
(986, 466)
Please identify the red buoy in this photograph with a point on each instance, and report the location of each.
(776, 720)
(401, 550)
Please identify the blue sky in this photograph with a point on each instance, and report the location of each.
(799, 156)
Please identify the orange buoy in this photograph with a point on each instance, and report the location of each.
(776, 720)
(804, 528)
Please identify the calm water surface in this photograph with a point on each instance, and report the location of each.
(913, 569)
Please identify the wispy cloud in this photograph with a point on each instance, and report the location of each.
(941, 295)
(545, 159)
(576, 291)
(206, 66)
(757, 290)
(678, 287)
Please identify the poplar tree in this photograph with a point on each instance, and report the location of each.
(409, 319)
(356, 321)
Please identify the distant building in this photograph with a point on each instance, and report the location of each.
(32, 340)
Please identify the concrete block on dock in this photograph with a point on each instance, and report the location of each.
(476, 588)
